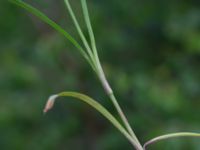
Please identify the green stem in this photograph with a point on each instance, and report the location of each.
(112, 97)
(124, 119)
(102, 75)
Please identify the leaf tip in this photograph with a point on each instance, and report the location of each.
(50, 103)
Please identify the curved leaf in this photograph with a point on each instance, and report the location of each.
(54, 25)
(172, 135)
(96, 106)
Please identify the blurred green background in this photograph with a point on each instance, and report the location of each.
(150, 51)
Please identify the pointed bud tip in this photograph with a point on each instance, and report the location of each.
(50, 103)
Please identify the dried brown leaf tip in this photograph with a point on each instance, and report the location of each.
(50, 103)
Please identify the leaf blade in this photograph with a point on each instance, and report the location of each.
(172, 135)
(54, 25)
(80, 32)
(97, 106)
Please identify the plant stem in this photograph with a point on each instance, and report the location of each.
(112, 97)
(99, 71)
(123, 117)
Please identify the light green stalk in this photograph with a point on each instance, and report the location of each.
(102, 75)
(94, 56)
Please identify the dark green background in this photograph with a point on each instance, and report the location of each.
(150, 51)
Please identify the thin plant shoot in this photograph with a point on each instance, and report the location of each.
(90, 54)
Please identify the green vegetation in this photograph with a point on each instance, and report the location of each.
(92, 57)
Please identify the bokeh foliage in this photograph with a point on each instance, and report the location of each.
(150, 51)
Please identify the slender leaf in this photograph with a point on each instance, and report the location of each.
(54, 25)
(79, 30)
(89, 26)
(96, 106)
(92, 38)
(172, 135)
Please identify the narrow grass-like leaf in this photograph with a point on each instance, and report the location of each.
(80, 31)
(172, 135)
(96, 106)
(89, 26)
(92, 39)
(54, 25)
